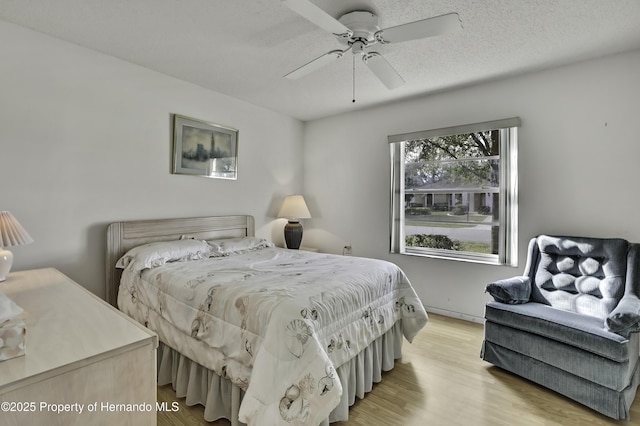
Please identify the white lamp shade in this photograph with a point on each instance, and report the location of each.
(11, 232)
(294, 207)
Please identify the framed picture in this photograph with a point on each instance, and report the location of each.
(204, 149)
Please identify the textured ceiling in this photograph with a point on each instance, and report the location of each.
(243, 48)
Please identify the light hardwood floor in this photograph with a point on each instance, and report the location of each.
(441, 380)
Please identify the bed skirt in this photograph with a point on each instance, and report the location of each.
(221, 398)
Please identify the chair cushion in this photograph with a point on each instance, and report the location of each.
(582, 275)
(582, 331)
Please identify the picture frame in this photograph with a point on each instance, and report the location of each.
(204, 149)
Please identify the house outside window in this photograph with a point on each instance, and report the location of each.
(454, 192)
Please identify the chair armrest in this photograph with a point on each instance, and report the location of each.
(625, 318)
(511, 290)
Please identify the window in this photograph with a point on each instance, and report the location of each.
(454, 192)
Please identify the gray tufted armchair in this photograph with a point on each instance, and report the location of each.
(571, 322)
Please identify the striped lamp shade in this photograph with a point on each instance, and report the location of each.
(11, 232)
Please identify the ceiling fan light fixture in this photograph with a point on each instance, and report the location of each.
(357, 47)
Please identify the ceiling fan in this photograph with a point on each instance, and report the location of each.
(358, 30)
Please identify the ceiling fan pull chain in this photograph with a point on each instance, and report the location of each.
(354, 79)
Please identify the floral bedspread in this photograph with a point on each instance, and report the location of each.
(275, 322)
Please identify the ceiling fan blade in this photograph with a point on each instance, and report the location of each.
(429, 27)
(317, 16)
(383, 70)
(316, 64)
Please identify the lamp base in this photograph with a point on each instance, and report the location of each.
(293, 234)
(6, 260)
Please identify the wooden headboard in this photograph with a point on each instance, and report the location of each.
(123, 236)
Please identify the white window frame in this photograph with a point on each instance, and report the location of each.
(508, 200)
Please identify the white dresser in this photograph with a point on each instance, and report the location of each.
(86, 363)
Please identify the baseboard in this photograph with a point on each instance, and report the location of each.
(454, 314)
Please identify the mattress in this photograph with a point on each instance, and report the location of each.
(276, 323)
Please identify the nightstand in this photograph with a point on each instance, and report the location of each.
(92, 360)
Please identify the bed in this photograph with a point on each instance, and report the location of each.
(255, 333)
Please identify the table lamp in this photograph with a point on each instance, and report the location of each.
(293, 209)
(11, 234)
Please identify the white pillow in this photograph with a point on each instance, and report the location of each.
(228, 246)
(157, 254)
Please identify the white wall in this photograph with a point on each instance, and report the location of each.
(579, 152)
(85, 140)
